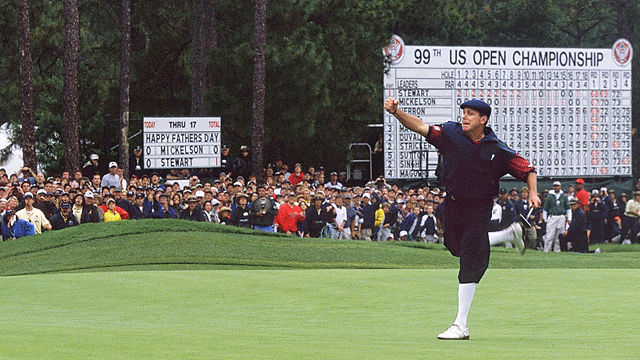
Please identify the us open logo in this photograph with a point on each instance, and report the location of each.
(395, 50)
(622, 52)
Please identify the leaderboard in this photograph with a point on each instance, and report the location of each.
(568, 111)
(179, 143)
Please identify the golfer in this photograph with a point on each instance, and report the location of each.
(474, 160)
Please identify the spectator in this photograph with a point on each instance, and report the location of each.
(193, 212)
(582, 195)
(163, 211)
(77, 209)
(33, 215)
(155, 182)
(289, 216)
(90, 210)
(224, 214)
(333, 182)
(613, 210)
(112, 178)
(382, 221)
(530, 234)
(136, 162)
(111, 214)
(556, 213)
(575, 237)
(616, 237)
(123, 213)
(64, 218)
(411, 224)
(297, 176)
(91, 167)
(241, 215)
(139, 210)
(316, 217)
(243, 163)
(13, 228)
(595, 220)
(429, 225)
(341, 230)
(263, 211)
(630, 226)
(122, 203)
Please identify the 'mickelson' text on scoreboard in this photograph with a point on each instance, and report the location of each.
(568, 111)
(174, 143)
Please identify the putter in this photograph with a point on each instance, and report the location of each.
(525, 220)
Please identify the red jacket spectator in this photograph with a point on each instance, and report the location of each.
(297, 176)
(582, 195)
(289, 215)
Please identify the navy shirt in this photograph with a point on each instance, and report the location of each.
(472, 170)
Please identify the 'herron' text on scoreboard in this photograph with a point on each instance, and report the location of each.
(176, 143)
(568, 111)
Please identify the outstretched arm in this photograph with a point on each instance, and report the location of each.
(409, 121)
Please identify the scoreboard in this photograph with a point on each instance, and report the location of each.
(179, 143)
(568, 111)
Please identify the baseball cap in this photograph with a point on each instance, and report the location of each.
(504, 191)
(557, 183)
(366, 195)
(9, 212)
(113, 164)
(192, 199)
(579, 181)
(199, 194)
(574, 201)
(88, 194)
(28, 195)
(41, 191)
(481, 106)
(403, 233)
(215, 202)
(65, 205)
(95, 157)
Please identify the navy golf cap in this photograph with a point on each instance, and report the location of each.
(481, 106)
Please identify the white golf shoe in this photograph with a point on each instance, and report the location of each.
(518, 240)
(454, 333)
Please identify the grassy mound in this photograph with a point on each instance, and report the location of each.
(177, 244)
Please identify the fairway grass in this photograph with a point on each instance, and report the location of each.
(318, 314)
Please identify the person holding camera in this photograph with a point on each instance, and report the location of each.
(263, 211)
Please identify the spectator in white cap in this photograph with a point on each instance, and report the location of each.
(111, 179)
(556, 212)
(91, 167)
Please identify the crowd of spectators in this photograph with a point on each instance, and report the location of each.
(300, 203)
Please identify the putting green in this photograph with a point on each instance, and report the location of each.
(318, 314)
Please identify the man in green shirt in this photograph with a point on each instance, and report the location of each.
(556, 212)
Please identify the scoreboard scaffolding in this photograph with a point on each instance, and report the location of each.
(568, 111)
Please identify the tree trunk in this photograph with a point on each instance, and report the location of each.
(204, 39)
(125, 82)
(70, 62)
(259, 71)
(26, 86)
(198, 63)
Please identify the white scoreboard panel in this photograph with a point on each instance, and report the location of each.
(568, 111)
(179, 143)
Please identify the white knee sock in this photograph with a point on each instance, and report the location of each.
(465, 297)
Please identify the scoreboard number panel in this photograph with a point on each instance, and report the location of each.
(568, 111)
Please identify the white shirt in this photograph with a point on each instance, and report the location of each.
(341, 214)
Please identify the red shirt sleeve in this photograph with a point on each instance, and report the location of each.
(520, 168)
(435, 136)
